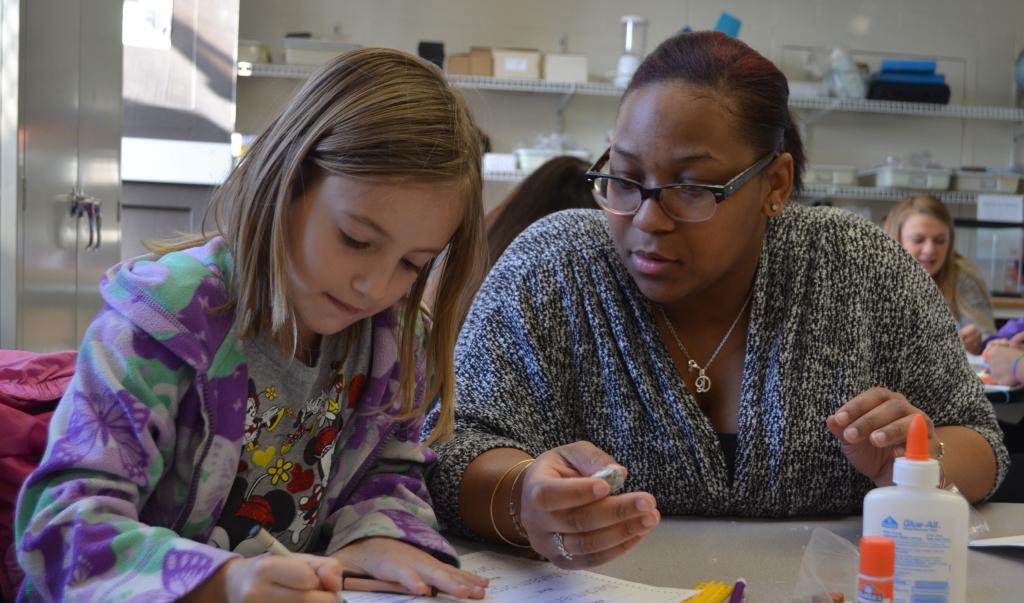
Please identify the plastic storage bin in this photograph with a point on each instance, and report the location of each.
(890, 176)
(311, 51)
(989, 182)
(253, 51)
(830, 174)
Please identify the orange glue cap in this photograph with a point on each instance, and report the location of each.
(917, 439)
(877, 556)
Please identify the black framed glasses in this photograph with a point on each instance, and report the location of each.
(682, 201)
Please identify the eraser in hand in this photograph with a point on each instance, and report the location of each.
(613, 475)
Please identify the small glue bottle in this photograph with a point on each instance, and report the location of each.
(928, 524)
(877, 569)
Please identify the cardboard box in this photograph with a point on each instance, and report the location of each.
(516, 63)
(458, 64)
(565, 68)
(481, 61)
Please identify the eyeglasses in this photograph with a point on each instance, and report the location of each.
(683, 202)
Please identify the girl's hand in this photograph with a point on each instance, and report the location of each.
(390, 559)
(872, 429)
(305, 578)
(1000, 363)
(559, 497)
(971, 337)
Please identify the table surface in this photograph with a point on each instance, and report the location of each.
(767, 553)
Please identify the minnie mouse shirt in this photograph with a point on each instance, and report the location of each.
(294, 414)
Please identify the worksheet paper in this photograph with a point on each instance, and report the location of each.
(517, 580)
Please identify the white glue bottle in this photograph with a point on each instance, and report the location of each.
(929, 525)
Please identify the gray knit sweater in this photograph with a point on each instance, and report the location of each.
(561, 345)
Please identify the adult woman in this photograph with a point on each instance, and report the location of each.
(690, 323)
(923, 226)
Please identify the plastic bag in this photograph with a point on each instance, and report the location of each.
(829, 565)
(844, 76)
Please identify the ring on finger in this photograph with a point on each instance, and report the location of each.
(560, 545)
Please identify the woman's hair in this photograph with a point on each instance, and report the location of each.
(757, 92)
(558, 184)
(953, 265)
(371, 113)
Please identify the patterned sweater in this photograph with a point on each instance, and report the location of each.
(146, 443)
(561, 345)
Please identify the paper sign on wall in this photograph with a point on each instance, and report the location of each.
(1001, 208)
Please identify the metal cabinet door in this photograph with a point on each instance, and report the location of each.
(99, 151)
(48, 97)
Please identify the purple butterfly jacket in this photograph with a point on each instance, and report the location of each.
(145, 444)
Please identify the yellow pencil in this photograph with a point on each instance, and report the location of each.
(711, 592)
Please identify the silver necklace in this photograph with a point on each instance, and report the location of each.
(703, 382)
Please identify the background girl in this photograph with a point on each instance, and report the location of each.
(923, 226)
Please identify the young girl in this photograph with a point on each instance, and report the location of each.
(273, 374)
(924, 227)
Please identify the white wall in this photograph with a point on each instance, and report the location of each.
(976, 41)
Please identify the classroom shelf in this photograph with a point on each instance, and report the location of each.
(869, 193)
(977, 112)
(819, 191)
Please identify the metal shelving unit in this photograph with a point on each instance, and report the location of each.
(978, 112)
(819, 191)
(823, 105)
(870, 193)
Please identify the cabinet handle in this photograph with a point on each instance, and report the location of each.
(84, 206)
(89, 211)
(97, 217)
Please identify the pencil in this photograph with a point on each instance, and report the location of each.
(365, 584)
(737, 591)
(274, 547)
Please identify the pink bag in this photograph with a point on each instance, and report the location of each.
(30, 386)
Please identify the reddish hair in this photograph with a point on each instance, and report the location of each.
(758, 90)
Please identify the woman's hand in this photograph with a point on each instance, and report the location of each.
(305, 578)
(559, 497)
(1000, 357)
(394, 560)
(971, 337)
(872, 430)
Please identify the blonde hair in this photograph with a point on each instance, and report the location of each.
(953, 265)
(376, 113)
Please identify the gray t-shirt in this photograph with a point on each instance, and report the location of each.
(294, 414)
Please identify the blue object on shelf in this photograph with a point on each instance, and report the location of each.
(728, 24)
(908, 65)
(910, 78)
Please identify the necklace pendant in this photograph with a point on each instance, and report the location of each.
(703, 383)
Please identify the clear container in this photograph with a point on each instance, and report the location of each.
(891, 176)
(830, 174)
(988, 182)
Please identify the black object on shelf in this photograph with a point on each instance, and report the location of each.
(433, 52)
(914, 93)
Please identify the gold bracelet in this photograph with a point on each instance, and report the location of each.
(943, 484)
(511, 506)
(494, 494)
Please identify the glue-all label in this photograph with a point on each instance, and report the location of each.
(924, 557)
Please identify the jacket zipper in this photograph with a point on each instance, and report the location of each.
(197, 471)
